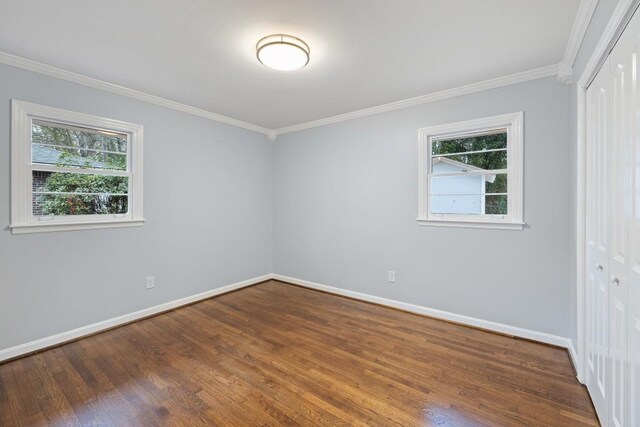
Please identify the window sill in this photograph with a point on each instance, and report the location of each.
(71, 226)
(489, 225)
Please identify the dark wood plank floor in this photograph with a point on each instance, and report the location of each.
(277, 354)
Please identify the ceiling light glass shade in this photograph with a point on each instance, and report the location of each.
(282, 52)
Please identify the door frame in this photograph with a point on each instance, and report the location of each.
(618, 22)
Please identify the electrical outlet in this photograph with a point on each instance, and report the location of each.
(392, 276)
(151, 282)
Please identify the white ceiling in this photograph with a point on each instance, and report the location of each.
(363, 52)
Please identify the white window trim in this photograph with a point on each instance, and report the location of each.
(515, 162)
(22, 219)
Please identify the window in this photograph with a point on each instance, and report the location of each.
(73, 171)
(471, 173)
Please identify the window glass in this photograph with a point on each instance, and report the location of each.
(60, 145)
(56, 193)
(461, 177)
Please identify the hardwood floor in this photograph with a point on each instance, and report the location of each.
(278, 354)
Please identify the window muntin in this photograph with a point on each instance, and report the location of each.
(471, 173)
(73, 171)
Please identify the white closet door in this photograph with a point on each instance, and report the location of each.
(634, 228)
(597, 295)
(619, 204)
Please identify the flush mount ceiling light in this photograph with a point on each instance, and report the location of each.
(282, 52)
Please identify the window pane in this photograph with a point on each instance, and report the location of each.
(44, 132)
(58, 144)
(490, 141)
(78, 194)
(60, 156)
(78, 204)
(488, 161)
(469, 204)
(496, 205)
(469, 194)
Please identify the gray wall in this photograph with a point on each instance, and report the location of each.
(599, 21)
(208, 205)
(338, 204)
(346, 207)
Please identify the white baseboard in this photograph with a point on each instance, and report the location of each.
(573, 354)
(439, 314)
(74, 334)
(11, 352)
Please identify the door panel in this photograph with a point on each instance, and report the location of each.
(598, 113)
(613, 234)
(619, 205)
(633, 325)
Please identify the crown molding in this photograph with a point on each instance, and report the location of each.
(48, 70)
(538, 73)
(271, 136)
(578, 31)
(59, 73)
